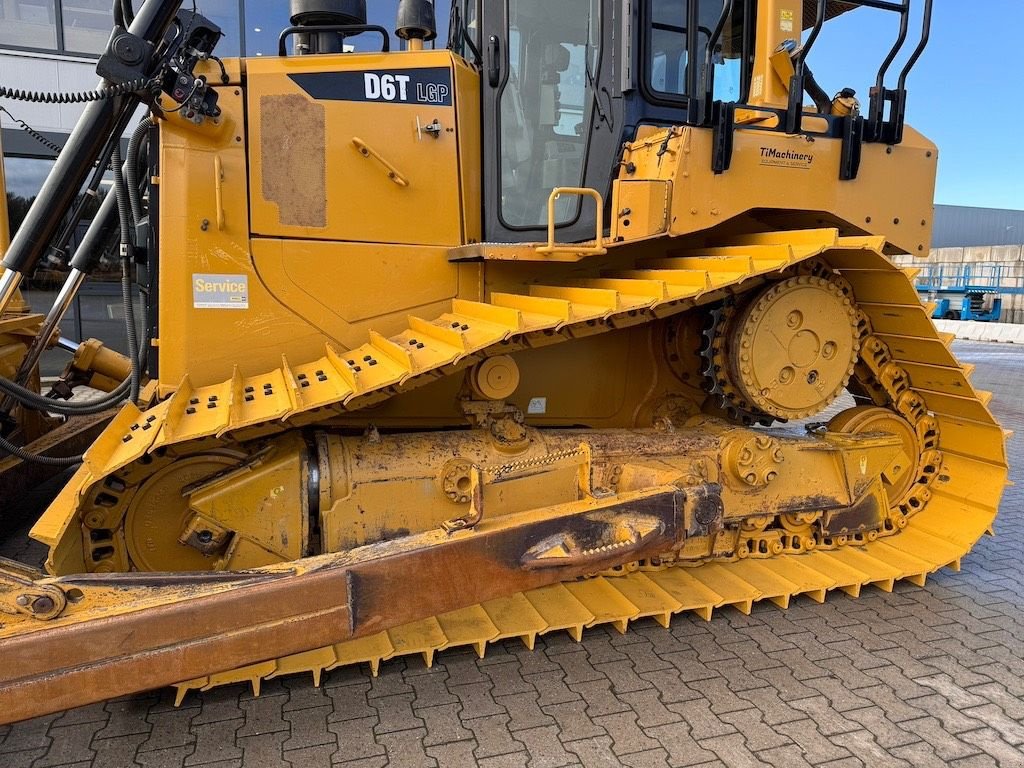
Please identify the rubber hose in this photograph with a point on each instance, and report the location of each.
(124, 216)
(132, 169)
(52, 461)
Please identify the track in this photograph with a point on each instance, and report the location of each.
(956, 510)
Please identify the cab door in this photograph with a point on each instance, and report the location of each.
(551, 109)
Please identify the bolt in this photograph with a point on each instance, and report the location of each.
(812, 377)
(205, 537)
(22, 600)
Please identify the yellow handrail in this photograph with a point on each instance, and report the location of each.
(597, 249)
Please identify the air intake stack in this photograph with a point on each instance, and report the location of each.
(320, 13)
(416, 22)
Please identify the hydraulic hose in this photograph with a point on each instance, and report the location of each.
(52, 461)
(125, 218)
(132, 168)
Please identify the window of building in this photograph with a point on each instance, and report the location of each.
(86, 25)
(24, 177)
(28, 23)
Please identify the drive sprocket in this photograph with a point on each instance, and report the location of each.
(789, 352)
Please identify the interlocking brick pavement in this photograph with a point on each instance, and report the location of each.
(918, 677)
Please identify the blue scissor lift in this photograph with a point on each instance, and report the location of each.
(966, 291)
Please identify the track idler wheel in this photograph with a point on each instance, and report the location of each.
(901, 476)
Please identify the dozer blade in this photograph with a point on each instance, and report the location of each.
(122, 633)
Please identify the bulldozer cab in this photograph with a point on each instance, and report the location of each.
(565, 85)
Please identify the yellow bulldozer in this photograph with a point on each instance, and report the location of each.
(485, 340)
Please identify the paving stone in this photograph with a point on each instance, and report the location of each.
(170, 757)
(454, 755)
(363, 762)
(443, 725)
(93, 713)
(524, 710)
(670, 686)
(395, 713)
(594, 753)
(976, 761)
(989, 740)
(651, 758)
(29, 735)
(643, 654)
(219, 704)
(577, 667)
(995, 718)
(759, 735)
(815, 747)
(431, 688)
(171, 728)
(215, 741)
(405, 748)
(722, 698)
(311, 757)
(22, 758)
(733, 751)
(551, 688)
(462, 668)
(263, 715)
(477, 700)
(997, 693)
(302, 694)
(623, 676)
(769, 702)
(263, 750)
(573, 721)
(785, 756)
(953, 720)
(117, 752)
(545, 750)
(308, 728)
(947, 746)
(647, 704)
(599, 697)
(391, 680)
(511, 760)
(627, 736)
(827, 718)
(704, 724)
(355, 738)
(349, 702)
(876, 722)
(493, 736)
(863, 745)
(507, 678)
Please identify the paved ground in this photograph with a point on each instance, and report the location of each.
(919, 677)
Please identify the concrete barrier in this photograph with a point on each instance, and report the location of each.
(1009, 333)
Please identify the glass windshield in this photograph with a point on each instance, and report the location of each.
(546, 106)
(667, 71)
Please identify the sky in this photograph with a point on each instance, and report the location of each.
(964, 94)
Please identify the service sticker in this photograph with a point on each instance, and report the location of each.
(538, 405)
(220, 291)
(786, 21)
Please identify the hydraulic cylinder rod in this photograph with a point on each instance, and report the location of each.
(86, 257)
(75, 161)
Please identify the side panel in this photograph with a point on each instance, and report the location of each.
(356, 147)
